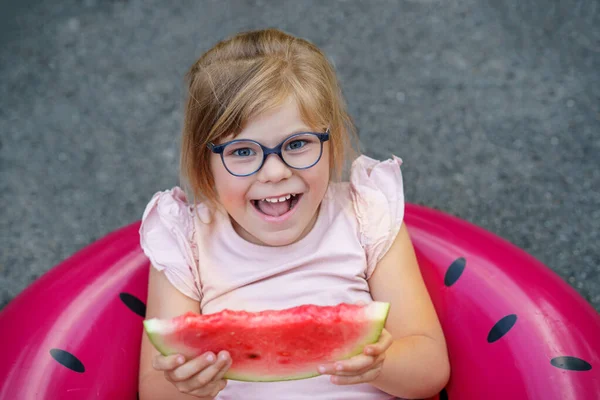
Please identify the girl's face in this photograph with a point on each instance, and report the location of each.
(249, 200)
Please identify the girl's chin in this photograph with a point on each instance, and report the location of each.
(270, 234)
(275, 238)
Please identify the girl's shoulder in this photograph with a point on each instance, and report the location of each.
(377, 196)
(167, 238)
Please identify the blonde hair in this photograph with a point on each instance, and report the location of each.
(246, 75)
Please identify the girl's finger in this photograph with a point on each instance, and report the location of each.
(211, 374)
(167, 363)
(191, 368)
(384, 342)
(367, 376)
(353, 364)
(375, 365)
(227, 358)
(202, 383)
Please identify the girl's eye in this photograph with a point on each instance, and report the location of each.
(296, 144)
(244, 152)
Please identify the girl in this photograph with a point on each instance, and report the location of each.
(266, 223)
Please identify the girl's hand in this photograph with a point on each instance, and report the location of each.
(201, 376)
(361, 368)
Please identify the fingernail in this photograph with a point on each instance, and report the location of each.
(210, 358)
(339, 367)
(322, 369)
(223, 356)
(180, 360)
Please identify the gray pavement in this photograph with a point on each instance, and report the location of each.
(494, 107)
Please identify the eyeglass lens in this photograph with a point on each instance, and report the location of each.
(245, 157)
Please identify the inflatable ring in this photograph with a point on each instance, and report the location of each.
(515, 329)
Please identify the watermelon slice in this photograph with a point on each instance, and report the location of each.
(273, 345)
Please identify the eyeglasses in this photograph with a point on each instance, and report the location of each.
(244, 157)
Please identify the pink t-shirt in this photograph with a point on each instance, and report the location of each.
(202, 256)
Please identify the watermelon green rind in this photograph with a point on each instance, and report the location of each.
(235, 376)
(155, 328)
(373, 315)
(378, 311)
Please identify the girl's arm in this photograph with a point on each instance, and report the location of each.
(416, 364)
(164, 301)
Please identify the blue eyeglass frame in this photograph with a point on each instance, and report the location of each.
(218, 149)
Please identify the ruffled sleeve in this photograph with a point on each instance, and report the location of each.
(378, 199)
(167, 239)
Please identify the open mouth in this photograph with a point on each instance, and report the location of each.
(277, 206)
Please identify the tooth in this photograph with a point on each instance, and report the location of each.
(282, 198)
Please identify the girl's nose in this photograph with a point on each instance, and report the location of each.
(273, 170)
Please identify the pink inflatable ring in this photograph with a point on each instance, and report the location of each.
(515, 329)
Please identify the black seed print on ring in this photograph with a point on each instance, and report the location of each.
(134, 304)
(67, 359)
(571, 363)
(454, 271)
(501, 328)
(443, 394)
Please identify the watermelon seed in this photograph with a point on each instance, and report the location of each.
(133, 303)
(67, 359)
(501, 328)
(454, 271)
(444, 394)
(253, 356)
(571, 363)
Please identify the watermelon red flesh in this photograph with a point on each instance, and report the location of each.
(273, 345)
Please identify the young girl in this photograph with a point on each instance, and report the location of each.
(267, 224)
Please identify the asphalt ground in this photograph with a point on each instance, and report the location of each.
(494, 107)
